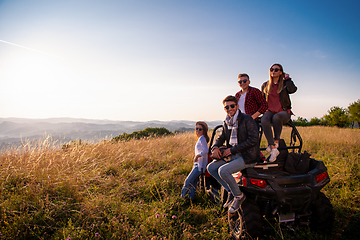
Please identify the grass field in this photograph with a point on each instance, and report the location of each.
(130, 190)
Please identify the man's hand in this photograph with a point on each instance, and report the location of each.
(256, 115)
(226, 152)
(216, 153)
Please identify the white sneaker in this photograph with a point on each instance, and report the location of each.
(268, 149)
(273, 154)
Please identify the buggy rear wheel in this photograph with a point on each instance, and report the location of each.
(246, 223)
(323, 214)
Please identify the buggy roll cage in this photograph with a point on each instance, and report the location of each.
(294, 137)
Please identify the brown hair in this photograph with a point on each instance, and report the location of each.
(268, 88)
(230, 98)
(243, 75)
(205, 130)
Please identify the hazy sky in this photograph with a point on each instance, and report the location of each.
(146, 60)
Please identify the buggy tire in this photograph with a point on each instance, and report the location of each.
(246, 223)
(323, 215)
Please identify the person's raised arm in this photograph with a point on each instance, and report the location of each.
(289, 84)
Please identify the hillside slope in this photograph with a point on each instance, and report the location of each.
(130, 190)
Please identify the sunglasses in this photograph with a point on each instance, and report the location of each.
(274, 69)
(242, 81)
(229, 106)
(198, 129)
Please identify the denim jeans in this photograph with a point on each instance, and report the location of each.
(191, 182)
(222, 171)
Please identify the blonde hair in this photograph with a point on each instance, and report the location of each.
(268, 88)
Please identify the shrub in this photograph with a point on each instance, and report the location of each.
(147, 132)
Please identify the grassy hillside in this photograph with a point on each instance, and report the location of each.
(130, 190)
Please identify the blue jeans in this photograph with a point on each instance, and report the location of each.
(222, 171)
(191, 182)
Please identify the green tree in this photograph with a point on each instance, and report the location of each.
(354, 112)
(314, 121)
(301, 122)
(337, 116)
(147, 132)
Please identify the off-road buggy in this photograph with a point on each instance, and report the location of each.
(272, 192)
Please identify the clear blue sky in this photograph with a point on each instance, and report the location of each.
(146, 60)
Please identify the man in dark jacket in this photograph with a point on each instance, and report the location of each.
(241, 137)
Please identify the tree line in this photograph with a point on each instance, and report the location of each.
(147, 132)
(336, 116)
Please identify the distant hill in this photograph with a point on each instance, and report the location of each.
(15, 130)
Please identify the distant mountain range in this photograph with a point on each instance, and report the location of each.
(13, 131)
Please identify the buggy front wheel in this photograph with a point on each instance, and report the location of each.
(246, 223)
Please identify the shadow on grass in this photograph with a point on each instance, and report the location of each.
(351, 229)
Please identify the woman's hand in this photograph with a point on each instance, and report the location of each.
(196, 158)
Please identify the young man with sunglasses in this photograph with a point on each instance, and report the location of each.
(241, 138)
(250, 100)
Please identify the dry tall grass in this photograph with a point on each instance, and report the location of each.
(130, 190)
(77, 163)
(339, 149)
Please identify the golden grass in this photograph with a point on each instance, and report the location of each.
(91, 179)
(124, 188)
(90, 160)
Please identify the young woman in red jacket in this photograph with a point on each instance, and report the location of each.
(276, 92)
